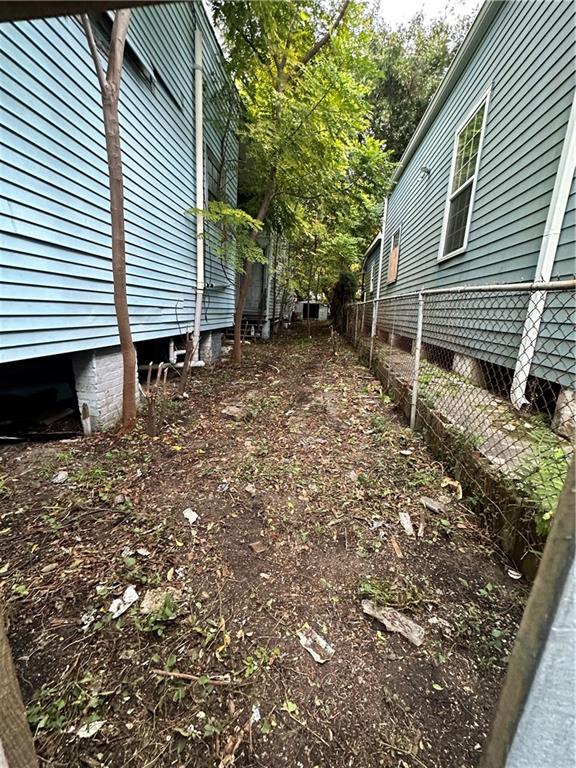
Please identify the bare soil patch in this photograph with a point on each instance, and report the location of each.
(297, 510)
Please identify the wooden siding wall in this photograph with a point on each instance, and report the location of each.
(527, 57)
(56, 285)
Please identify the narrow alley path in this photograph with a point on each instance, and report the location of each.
(236, 529)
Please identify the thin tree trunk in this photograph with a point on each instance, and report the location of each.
(310, 276)
(110, 91)
(16, 744)
(110, 105)
(274, 285)
(247, 276)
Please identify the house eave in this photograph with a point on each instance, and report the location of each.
(471, 42)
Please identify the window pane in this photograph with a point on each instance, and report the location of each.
(467, 154)
(457, 220)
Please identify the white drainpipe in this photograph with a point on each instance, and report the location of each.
(199, 119)
(548, 248)
(376, 304)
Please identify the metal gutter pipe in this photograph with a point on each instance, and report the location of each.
(546, 258)
(199, 136)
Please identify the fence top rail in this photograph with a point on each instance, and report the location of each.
(555, 285)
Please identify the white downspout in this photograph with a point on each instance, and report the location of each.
(375, 304)
(199, 147)
(546, 258)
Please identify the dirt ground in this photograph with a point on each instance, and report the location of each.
(297, 508)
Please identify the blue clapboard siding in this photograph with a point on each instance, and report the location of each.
(221, 107)
(527, 57)
(55, 280)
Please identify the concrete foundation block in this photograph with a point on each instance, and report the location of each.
(564, 421)
(469, 368)
(99, 379)
(210, 347)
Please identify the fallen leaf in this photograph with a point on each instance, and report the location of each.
(396, 547)
(447, 482)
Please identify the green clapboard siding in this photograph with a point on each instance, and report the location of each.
(527, 58)
(55, 279)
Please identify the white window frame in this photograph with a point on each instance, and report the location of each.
(371, 282)
(483, 100)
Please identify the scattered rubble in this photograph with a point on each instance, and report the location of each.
(406, 523)
(235, 412)
(433, 505)
(121, 604)
(320, 650)
(394, 621)
(155, 599)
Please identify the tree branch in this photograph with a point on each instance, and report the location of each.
(117, 43)
(93, 50)
(319, 44)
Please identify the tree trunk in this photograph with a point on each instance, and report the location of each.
(16, 744)
(247, 276)
(274, 285)
(112, 127)
(109, 82)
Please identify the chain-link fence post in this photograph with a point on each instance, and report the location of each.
(373, 330)
(355, 324)
(417, 350)
(363, 319)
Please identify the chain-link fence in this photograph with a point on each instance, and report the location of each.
(487, 373)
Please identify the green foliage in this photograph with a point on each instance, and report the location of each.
(342, 294)
(54, 707)
(542, 474)
(307, 146)
(412, 61)
(156, 622)
(234, 228)
(403, 595)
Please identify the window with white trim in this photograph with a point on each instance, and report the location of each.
(371, 288)
(465, 164)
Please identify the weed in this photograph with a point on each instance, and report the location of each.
(421, 477)
(56, 706)
(156, 622)
(5, 490)
(380, 424)
(405, 596)
(262, 658)
(470, 631)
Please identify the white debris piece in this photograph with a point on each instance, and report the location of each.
(406, 523)
(394, 621)
(121, 604)
(315, 644)
(88, 730)
(190, 515)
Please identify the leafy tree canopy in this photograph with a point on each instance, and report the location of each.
(412, 61)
